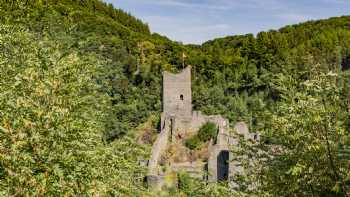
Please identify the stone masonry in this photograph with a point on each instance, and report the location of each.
(177, 119)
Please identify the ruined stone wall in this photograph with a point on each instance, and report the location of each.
(177, 95)
(222, 145)
(160, 145)
(185, 125)
(192, 124)
(195, 169)
(198, 119)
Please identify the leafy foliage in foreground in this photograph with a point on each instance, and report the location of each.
(306, 154)
(311, 128)
(52, 115)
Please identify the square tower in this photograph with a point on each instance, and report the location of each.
(177, 94)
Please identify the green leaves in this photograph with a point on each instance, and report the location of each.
(310, 126)
(206, 132)
(52, 119)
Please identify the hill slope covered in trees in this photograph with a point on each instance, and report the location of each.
(78, 77)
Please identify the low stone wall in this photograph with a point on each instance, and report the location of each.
(158, 148)
(223, 142)
(194, 169)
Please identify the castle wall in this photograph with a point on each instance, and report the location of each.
(160, 145)
(222, 145)
(194, 169)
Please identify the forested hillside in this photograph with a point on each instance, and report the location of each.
(78, 78)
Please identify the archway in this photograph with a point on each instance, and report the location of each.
(223, 165)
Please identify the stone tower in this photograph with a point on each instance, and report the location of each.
(177, 95)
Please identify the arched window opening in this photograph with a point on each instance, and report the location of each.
(181, 97)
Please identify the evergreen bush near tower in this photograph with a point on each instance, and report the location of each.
(208, 131)
(205, 133)
(193, 142)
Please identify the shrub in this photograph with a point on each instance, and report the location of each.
(52, 114)
(193, 142)
(207, 131)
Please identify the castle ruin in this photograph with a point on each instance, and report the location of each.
(178, 120)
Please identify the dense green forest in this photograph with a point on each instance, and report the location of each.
(78, 78)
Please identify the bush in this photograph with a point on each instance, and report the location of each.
(114, 130)
(193, 142)
(206, 132)
(189, 186)
(52, 114)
